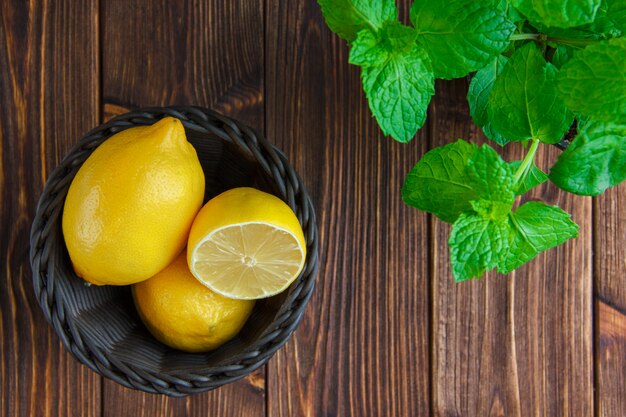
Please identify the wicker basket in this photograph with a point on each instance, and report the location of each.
(100, 326)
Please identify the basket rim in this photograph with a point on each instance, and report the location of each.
(42, 257)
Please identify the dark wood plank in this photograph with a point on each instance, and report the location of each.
(245, 398)
(200, 53)
(185, 52)
(517, 345)
(609, 233)
(610, 361)
(49, 96)
(610, 292)
(362, 348)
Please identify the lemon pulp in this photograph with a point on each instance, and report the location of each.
(246, 244)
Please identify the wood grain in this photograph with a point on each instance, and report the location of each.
(49, 95)
(610, 292)
(387, 332)
(185, 52)
(517, 345)
(611, 360)
(609, 245)
(195, 53)
(362, 348)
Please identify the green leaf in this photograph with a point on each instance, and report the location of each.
(492, 177)
(479, 244)
(492, 134)
(610, 19)
(367, 50)
(492, 210)
(594, 161)
(476, 245)
(374, 48)
(593, 82)
(558, 13)
(478, 97)
(523, 103)
(460, 36)
(439, 183)
(535, 227)
(510, 11)
(399, 91)
(348, 17)
(533, 178)
(562, 54)
(610, 22)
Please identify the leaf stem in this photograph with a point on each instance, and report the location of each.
(526, 36)
(545, 38)
(572, 42)
(522, 170)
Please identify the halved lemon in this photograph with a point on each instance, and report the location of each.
(246, 244)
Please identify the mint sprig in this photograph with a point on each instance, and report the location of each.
(397, 78)
(487, 232)
(540, 65)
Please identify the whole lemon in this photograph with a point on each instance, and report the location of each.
(129, 209)
(184, 314)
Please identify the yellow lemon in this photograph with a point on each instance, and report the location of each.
(129, 209)
(186, 315)
(246, 244)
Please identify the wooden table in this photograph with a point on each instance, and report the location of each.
(387, 332)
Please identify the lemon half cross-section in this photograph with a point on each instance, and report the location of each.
(246, 244)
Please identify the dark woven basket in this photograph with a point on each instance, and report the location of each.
(100, 326)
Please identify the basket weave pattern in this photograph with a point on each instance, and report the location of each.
(98, 325)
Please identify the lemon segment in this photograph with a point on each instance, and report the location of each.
(246, 244)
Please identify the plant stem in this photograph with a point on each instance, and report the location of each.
(573, 42)
(545, 38)
(526, 36)
(527, 161)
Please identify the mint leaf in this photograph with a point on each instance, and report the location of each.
(399, 91)
(492, 177)
(348, 17)
(594, 161)
(460, 36)
(367, 50)
(439, 183)
(479, 244)
(492, 210)
(563, 13)
(476, 245)
(533, 178)
(593, 82)
(562, 54)
(478, 97)
(523, 103)
(535, 227)
(610, 19)
(510, 11)
(374, 48)
(610, 22)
